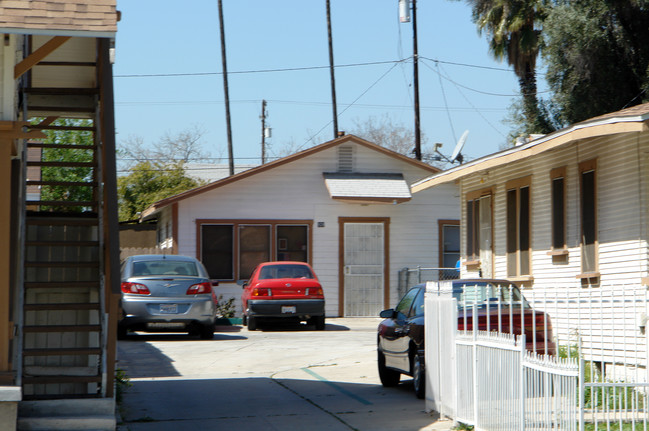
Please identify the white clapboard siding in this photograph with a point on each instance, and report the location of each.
(296, 191)
(607, 320)
(622, 187)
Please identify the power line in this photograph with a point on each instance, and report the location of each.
(446, 77)
(297, 102)
(241, 72)
(469, 102)
(349, 106)
(305, 68)
(502, 69)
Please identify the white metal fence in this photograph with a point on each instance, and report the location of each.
(496, 381)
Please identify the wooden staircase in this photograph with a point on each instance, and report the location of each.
(64, 324)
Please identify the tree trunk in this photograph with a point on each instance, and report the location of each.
(534, 118)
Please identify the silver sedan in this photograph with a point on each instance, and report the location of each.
(167, 293)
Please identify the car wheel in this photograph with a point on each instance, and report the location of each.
(318, 322)
(207, 332)
(252, 323)
(244, 320)
(419, 376)
(389, 378)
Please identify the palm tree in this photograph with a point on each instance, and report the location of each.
(514, 29)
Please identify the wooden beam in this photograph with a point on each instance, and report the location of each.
(12, 130)
(46, 122)
(32, 60)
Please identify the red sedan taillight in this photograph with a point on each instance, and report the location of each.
(314, 291)
(135, 288)
(199, 288)
(261, 291)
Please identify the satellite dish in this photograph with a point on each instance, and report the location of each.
(458, 147)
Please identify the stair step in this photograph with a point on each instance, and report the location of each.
(62, 328)
(98, 423)
(63, 264)
(63, 352)
(46, 380)
(67, 407)
(61, 146)
(66, 396)
(62, 306)
(45, 219)
(62, 183)
(62, 243)
(61, 284)
(64, 203)
(62, 164)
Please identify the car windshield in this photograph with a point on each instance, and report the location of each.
(479, 292)
(285, 271)
(164, 267)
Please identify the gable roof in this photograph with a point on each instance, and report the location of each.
(634, 119)
(147, 213)
(96, 18)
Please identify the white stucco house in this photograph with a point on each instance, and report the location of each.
(344, 206)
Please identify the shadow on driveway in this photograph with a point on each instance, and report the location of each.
(272, 404)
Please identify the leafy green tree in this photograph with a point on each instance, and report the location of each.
(597, 53)
(82, 174)
(514, 31)
(149, 182)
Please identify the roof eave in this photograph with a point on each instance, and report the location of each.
(371, 200)
(157, 206)
(587, 129)
(58, 32)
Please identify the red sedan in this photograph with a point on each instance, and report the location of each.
(283, 290)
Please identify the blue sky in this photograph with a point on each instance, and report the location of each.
(461, 86)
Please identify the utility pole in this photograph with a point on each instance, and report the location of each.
(263, 131)
(415, 59)
(331, 71)
(226, 90)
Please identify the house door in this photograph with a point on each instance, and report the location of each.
(363, 273)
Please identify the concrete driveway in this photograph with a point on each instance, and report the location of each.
(278, 378)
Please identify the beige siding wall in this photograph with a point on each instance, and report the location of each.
(297, 191)
(621, 210)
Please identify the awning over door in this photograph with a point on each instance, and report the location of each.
(367, 187)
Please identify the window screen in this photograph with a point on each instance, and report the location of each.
(216, 251)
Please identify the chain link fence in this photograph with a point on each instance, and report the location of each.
(409, 277)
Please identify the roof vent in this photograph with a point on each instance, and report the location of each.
(345, 159)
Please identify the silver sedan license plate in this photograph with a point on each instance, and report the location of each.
(288, 309)
(169, 308)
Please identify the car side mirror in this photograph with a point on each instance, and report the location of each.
(387, 314)
(215, 282)
(244, 284)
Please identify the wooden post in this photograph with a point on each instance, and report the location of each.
(6, 147)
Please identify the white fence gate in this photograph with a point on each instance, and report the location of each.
(489, 379)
